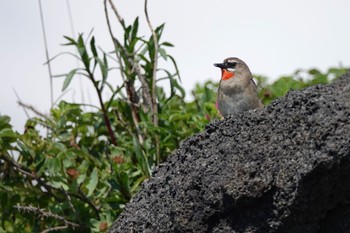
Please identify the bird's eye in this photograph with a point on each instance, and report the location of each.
(231, 64)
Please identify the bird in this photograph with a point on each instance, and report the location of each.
(237, 90)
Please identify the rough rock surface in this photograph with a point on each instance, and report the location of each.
(285, 168)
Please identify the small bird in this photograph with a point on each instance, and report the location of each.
(237, 90)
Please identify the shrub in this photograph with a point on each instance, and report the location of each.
(79, 176)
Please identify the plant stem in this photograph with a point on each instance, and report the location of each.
(46, 52)
(130, 89)
(47, 214)
(41, 181)
(154, 76)
(104, 112)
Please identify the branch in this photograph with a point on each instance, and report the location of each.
(103, 108)
(131, 58)
(135, 66)
(154, 76)
(155, 65)
(49, 214)
(130, 90)
(89, 202)
(115, 41)
(144, 85)
(54, 229)
(120, 19)
(69, 200)
(46, 51)
(26, 171)
(31, 108)
(109, 159)
(105, 116)
(19, 100)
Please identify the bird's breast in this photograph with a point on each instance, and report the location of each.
(229, 88)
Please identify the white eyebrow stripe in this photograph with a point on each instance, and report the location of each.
(232, 61)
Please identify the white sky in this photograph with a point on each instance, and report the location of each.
(273, 37)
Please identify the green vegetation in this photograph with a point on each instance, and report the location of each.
(299, 80)
(81, 173)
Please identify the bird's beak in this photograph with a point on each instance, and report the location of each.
(220, 65)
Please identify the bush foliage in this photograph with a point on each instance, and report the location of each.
(88, 165)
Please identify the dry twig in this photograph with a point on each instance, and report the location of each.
(31, 174)
(47, 214)
(154, 76)
(131, 57)
(26, 171)
(133, 63)
(33, 109)
(54, 229)
(46, 51)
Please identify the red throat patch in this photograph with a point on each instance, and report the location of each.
(225, 74)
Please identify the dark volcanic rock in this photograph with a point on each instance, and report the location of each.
(285, 168)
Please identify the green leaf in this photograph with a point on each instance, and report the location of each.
(83, 167)
(159, 30)
(167, 44)
(54, 166)
(105, 61)
(93, 47)
(71, 41)
(124, 185)
(7, 133)
(92, 183)
(141, 158)
(135, 28)
(314, 72)
(68, 79)
(4, 122)
(319, 79)
(127, 34)
(163, 53)
(137, 183)
(81, 178)
(83, 52)
(175, 65)
(67, 162)
(58, 184)
(172, 87)
(179, 117)
(9, 226)
(80, 42)
(103, 67)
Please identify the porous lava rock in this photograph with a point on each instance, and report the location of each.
(285, 168)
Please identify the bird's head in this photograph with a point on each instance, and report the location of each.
(232, 66)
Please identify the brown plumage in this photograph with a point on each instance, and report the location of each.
(237, 90)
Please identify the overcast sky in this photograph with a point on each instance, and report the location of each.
(273, 37)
